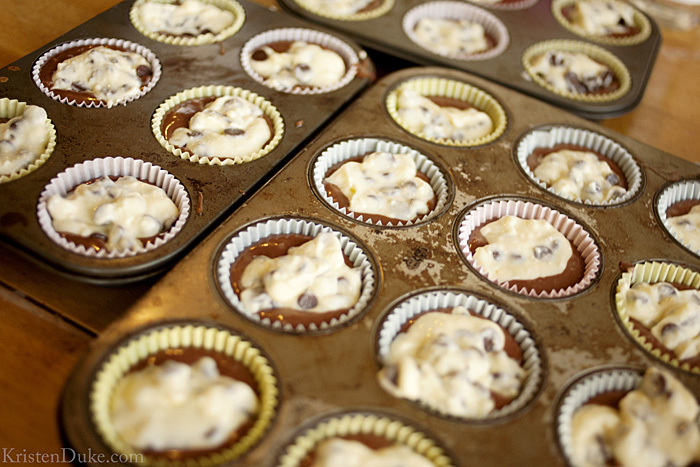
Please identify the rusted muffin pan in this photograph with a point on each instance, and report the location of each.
(332, 370)
(525, 23)
(84, 134)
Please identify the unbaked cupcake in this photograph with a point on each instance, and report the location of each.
(347, 10)
(618, 416)
(613, 22)
(299, 61)
(676, 207)
(658, 305)
(187, 22)
(217, 125)
(579, 165)
(184, 394)
(577, 70)
(529, 248)
(380, 182)
(446, 111)
(295, 275)
(456, 30)
(458, 355)
(96, 72)
(27, 139)
(113, 207)
(354, 439)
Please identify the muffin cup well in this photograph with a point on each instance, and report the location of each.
(207, 38)
(348, 149)
(362, 423)
(595, 52)
(574, 232)
(11, 108)
(493, 26)
(652, 272)
(550, 137)
(311, 36)
(67, 180)
(258, 231)
(684, 190)
(640, 20)
(443, 87)
(409, 308)
(120, 43)
(218, 91)
(181, 336)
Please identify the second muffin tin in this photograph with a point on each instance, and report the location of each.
(334, 371)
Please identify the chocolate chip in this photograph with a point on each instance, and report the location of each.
(669, 328)
(211, 432)
(302, 67)
(234, 132)
(488, 344)
(682, 428)
(638, 297)
(542, 252)
(194, 133)
(259, 55)
(143, 70)
(78, 87)
(496, 255)
(307, 301)
(613, 179)
(658, 385)
(666, 290)
(575, 83)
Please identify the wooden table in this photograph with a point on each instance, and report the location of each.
(42, 348)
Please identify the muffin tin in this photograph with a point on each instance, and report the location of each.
(332, 372)
(527, 24)
(125, 131)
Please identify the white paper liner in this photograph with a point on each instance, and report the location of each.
(121, 43)
(381, 10)
(593, 51)
(598, 382)
(435, 300)
(113, 166)
(357, 423)
(218, 91)
(208, 38)
(652, 272)
(574, 232)
(358, 147)
(311, 36)
(501, 5)
(640, 20)
(550, 137)
(263, 229)
(493, 26)
(11, 108)
(442, 87)
(194, 335)
(674, 193)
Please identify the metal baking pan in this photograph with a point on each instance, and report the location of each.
(331, 372)
(125, 130)
(526, 27)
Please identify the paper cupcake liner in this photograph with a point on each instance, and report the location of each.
(123, 44)
(583, 390)
(640, 20)
(679, 191)
(593, 51)
(574, 232)
(550, 137)
(505, 5)
(493, 26)
(362, 423)
(358, 147)
(653, 272)
(11, 108)
(263, 229)
(112, 166)
(306, 35)
(407, 309)
(175, 336)
(382, 9)
(208, 38)
(218, 91)
(443, 87)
